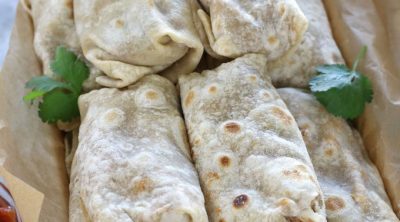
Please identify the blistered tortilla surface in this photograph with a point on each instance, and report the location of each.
(352, 187)
(249, 153)
(133, 161)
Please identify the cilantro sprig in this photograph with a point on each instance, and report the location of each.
(343, 91)
(59, 94)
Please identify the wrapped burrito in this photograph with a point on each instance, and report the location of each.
(133, 161)
(248, 151)
(237, 27)
(54, 26)
(317, 48)
(352, 187)
(129, 39)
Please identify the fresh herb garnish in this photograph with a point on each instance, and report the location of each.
(59, 94)
(343, 91)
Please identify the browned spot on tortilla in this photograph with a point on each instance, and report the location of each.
(119, 23)
(283, 202)
(151, 95)
(189, 98)
(232, 127)
(218, 210)
(221, 220)
(212, 176)
(253, 78)
(334, 203)
(281, 114)
(225, 161)
(293, 219)
(240, 201)
(272, 40)
(143, 185)
(329, 152)
(212, 89)
(111, 116)
(69, 4)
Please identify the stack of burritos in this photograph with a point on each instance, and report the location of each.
(159, 142)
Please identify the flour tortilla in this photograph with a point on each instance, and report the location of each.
(54, 26)
(248, 151)
(352, 187)
(237, 27)
(133, 161)
(317, 48)
(130, 39)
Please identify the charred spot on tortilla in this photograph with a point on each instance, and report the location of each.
(240, 201)
(232, 127)
(225, 161)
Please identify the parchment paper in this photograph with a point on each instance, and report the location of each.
(34, 151)
(375, 23)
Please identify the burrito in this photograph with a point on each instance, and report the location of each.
(236, 27)
(133, 160)
(251, 159)
(352, 187)
(317, 48)
(129, 39)
(54, 26)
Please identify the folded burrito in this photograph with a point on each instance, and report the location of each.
(317, 48)
(54, 26)
(351, 184)
(248, 151)
(237, 27)
(133, 161)
(129, 39)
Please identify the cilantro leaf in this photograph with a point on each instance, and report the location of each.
(343, 91)
(46, 84)
(60, 94)
(58, 105)
(33, 95)
(70, 68)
